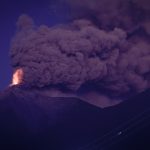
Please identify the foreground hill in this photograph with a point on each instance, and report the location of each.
(31, 121)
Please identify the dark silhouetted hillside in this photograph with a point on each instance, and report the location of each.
(30, 121)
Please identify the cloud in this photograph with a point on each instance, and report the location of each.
(107, 14)
(80, 53)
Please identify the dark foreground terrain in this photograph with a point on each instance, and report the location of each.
(30, 121)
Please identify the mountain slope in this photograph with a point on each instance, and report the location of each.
(32, 121)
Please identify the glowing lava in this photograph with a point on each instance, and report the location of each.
(17, 77)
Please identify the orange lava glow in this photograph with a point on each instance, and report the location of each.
(17, 77)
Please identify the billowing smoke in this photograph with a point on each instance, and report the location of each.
(108, 14)
(107, 48)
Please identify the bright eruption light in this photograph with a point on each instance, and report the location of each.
(17, 77)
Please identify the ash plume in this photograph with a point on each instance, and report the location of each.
(79, 53)
(129, 15)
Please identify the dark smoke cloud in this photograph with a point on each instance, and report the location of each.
(79, 53)
(107, 14)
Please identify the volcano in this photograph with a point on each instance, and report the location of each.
(32, 121)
